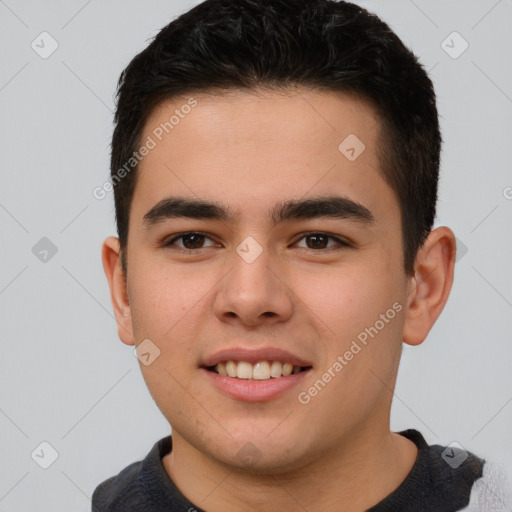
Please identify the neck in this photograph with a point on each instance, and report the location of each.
(356, 476)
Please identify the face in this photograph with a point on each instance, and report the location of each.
(295, 258)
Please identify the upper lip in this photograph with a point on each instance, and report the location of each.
(253, 356)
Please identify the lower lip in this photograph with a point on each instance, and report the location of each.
(254, 390)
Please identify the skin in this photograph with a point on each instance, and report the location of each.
(249, 151)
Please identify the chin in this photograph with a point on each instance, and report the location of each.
(259, 454)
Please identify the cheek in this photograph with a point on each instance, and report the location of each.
(360, 305)
(162, 295)
(346, 298)
(363, 312)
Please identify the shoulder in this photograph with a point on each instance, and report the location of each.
(441, 479)
(112, 494)
(448, 470)
(469, 483)
(128, 490)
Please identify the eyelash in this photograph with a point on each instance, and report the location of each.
(341, 243)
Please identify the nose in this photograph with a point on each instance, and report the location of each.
(253, 292)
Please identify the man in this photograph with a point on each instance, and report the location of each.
(275, 167)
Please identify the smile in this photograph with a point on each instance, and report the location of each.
(262, 370)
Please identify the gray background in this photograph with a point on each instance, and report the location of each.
(67, 379)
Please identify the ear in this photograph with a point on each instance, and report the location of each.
(431, 284)
(111, 257)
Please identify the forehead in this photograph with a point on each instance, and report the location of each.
(249, 150)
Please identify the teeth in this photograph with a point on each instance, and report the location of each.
(276, 369)
(221, 368)
(263, 370)
(244, 370)
(231, 369)
(287, 369)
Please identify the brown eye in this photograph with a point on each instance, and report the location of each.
(193, 241)
(321, 241)
(189, 241)
(317, 241)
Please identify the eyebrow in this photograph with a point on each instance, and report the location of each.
(337, 207)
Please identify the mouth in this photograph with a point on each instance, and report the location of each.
(255, 375)
(260, 371)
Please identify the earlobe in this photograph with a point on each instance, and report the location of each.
(431, 284)
(111, 259)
